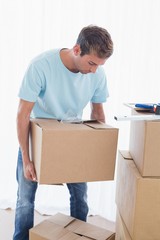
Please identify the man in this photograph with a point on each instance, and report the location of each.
(58, 82)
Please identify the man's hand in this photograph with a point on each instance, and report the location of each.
(97, 112)
(29, 171)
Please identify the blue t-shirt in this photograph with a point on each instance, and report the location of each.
(58, 92)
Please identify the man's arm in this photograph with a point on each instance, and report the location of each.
(23, 125)
(97, 112)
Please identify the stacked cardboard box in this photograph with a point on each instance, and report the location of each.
(121, 230)
(138, 184)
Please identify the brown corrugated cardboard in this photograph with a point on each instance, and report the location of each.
(102, 222)
(62, 227)
(64, 152)
(121, 229)
(138, 200)
(145, 146)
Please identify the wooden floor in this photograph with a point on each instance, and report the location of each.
(7, 223)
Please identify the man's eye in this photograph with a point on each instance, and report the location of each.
(90, 63)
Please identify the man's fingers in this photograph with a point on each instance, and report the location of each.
(33, 175)
(30, 173)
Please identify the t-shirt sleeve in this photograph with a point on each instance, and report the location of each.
(101, 92)
(32, 84)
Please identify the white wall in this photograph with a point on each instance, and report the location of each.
(29, 27)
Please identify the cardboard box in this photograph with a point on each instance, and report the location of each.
(121, 229)
(138, 200)
(67, 153)
(144, 146)
(62, 227)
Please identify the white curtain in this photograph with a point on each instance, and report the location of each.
(29, 27)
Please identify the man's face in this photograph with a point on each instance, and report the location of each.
(87, 63)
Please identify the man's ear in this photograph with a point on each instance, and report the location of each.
(77, 50)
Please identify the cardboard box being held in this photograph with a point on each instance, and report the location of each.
(65, 153)
(64, 227)
(145, 146)
(138, 200)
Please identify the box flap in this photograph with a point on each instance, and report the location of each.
(45, 123)
(53, 124)
(93, 232)
(89, 230)
(126, 154)
(49, 230)
(81, 228)
(98, 125)
(61, 219)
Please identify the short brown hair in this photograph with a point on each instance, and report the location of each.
(97, 40)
